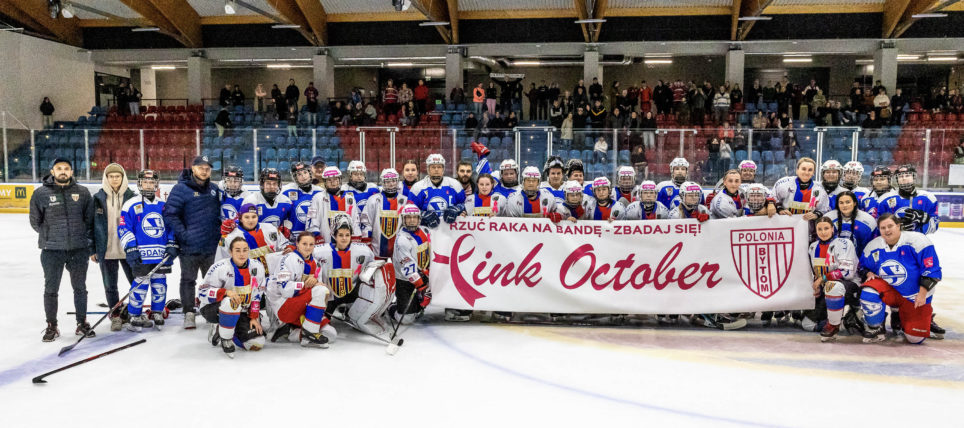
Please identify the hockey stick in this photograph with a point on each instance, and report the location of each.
(40, 379)
(117, 305)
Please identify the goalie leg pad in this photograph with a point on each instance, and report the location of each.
(373, 300)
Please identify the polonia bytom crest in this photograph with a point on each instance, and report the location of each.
(763, 258)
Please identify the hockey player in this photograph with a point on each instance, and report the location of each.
(851, 223)
(758, 201)
(273, 207)
(601, 205)
(646, 206)
(296, 296)
(330, 203)
(576, 172)
(340, 262)
(379, 219)
(830, 179)
(532, 202)
(902, 271)
(747, 174)
(834, 261)
(881, 189)
(853, 171)
(232, 184)
(916, 209)
(729, 201)
(146, 241)
(489, 200)
(667, 191)
(572, 206)
(554, 172)
(300, 192)
(437, 195)
(265, 242)
(230, 299)
(411, 261)
(800, 194)
(357, 184)
(410, 175)
(625, 191)
(689, 203)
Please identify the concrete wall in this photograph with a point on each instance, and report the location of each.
(32, 68)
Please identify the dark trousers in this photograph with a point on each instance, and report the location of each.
(191, 264)
(108, 271)
(405, 292)
(53, 262)
(543, 110)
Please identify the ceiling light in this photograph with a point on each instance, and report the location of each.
(755, 18)
(658, 61)
(280, 26)
(281, 66)
(144, 29)
(929, 15)
(162, 67)
(230, 7)
(798, 59)
(908, 57)
(433, 23)
(400, 64)
(942, 58)
(526, 63)
(590, 21)
(67, 10)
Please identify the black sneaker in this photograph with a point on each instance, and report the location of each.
(51, 333)
(83, 329)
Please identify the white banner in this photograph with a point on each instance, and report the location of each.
(638, 267)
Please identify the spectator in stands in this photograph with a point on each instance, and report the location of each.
(293, 122)
(47, 110)
(311, 102)
(580, 98)
(726, 155)
(222, 121)
(338, 113)
(553, 92)
(356, 96)
(579, 122)
(624, 101)
(533, 96)
(897, 103)
(565, 133)
(543, 92)
(856, 98)
(736, 95)
(710, 93)
(614, 92)
(595, 90)
(721, 106)
(478, 98)
(769, 95)
(939, 101)
(616, 120)
(511, 121)
(833, 113)
(725, 132)
(292, 94)
(491, 96)
(497, 124)
(134, 99)
(817, 103)
(759, 121)
(580, 84)
(598, 114)
(110, 254)
(371, 114)
(645, 97)
(599, 150)
(697, 103)
(555, 114)
(785, 121)
(662, 97)
(871, 124)
(783, 99)
(959, 153)
(409, 113)
(259, 94)
(358, 116)
(237, 97)
(878, 86)
(471, 123)
(648, 126)
(955, 102)
(565, 100)
(798, 103)
(739, 138)
(755, 95)
(637, 156)
(224, 97)
(713, 161)
(279, 102)
(632, 134)
(680, 90)
(193, 211)
(791, 146)
(405, 95)
(420, 94)
(457, 96)
(848, 116)
(683, 114)
(882, 105)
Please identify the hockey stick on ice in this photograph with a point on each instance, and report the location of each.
(40, 379)
(117, 305)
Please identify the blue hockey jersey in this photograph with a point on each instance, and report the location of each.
(921, 200)
(905, 263)
(141, 225)
(297, 220)
(429, 197)
(860, 231)
(273, 214)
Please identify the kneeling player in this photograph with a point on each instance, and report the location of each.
(296, 297)
(230, 299)
(601, 205)
(834, 261)
(411, 259)
(341, 261)
(263, 238)
(146, 240)
(902, 271)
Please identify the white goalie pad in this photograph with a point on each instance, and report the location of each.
(374, 295)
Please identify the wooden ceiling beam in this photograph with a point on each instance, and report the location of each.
(453, 9)
(436, 10)
(749, 8)
(599, 12)
(291, 12)
(582, 12)
(147, 10)
(35, 13)
(316, 16)
(916, 7)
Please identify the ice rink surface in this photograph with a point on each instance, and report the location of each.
(473, 374)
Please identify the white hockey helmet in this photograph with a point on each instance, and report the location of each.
(831, 165)
(748, 164)
(571, 187)
(356, 166)
(531, 172)
(389, 179)
(679, 162)
(647, 187)
(331, 172)
(601, 182)
(854, 166)
(409, 210)
(435, 159)
(509, 164)
(627, 172)
(689, 188)
(756, 196)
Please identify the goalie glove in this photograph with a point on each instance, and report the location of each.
(430, 219)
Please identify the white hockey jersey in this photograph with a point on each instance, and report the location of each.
(680, 213)
(339, 269)
(273, 214)
(636, 211)
(725, 205)
(288, 279)
(838, 254)
(247, 281)
(413, 251)
(485, 205)
(263, 241)
(591, 210)
(380, 222)
(791, 197)
(518, 205)
(325, 206)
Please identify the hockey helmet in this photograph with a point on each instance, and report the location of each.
(435, 159)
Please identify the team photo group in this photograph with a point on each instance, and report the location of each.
(290, 262)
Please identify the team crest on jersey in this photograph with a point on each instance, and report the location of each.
(138, 209)
(301, 211)
(893, 272)
(293, 195)
(153, 225)
(892, 202)
(438, 203)
(388, 223)
(229, 211)
(271, 219)
(763, 258)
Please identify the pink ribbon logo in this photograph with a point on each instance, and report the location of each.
(466, 290)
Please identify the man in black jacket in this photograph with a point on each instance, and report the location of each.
(292, 94)
(62, 212)
(193, 210)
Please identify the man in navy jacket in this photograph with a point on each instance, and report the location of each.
(193, 210)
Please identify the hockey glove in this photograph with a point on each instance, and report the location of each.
(319, 240)
(709, 199)
(425, 298)
(479, 149)
(452, 213)
(172, 250)
(133, 256)
(430, 219)
(702, 217)
(227, 226)
(910, 220)
(285, 231)
(833, 275)
(554, 217)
